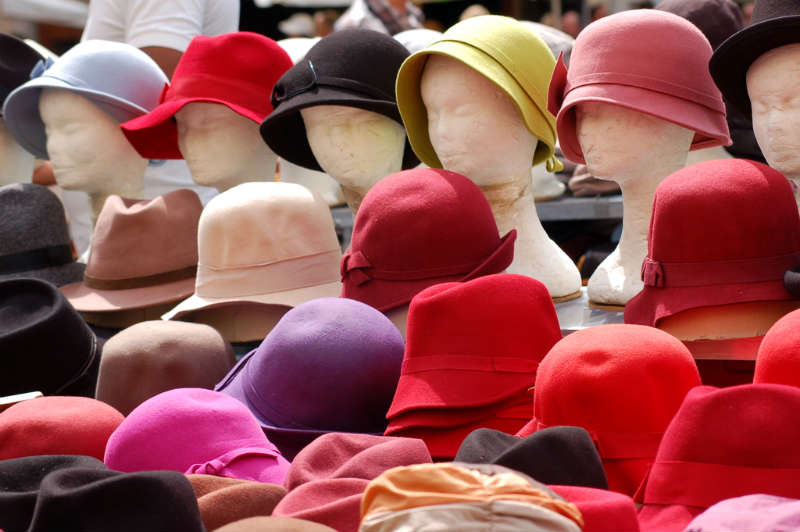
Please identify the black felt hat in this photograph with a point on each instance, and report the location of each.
(17, 60)
(352, 68)
(563, 456)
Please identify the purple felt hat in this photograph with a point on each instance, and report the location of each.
(750, 512)
(329, 365)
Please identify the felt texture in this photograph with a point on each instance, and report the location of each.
(329, 365)
(419, 228)
(17, 60)
(777, 361)
(155, 356)
(602, 511)
(556, 455)
(623, 384)
(327, 479)
(128, 228)
(274, 524)
(226, 500)
(191, 430)
(750, 237)
(352, 68)
(750, 512)
(117, 77)
(234, 69)
(34, 220)
(624, 60)
(33, 313)
(723, 443)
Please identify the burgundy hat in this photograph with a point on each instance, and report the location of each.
(327, 479)
(237, 70)
(623, 384)
(723, 443)
(777, 360)
(750, 237)
(624, 60)
(418, 228)
(602, 510)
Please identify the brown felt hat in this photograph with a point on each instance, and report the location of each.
(225, 500)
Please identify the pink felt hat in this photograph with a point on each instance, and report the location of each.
(626, 60)
(191, 430)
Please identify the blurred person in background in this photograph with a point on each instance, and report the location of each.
(387, 16)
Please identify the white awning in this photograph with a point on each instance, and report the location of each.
(71, 13)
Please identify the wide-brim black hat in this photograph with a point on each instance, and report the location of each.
(352, 68)
(17, 61)
(775, 23)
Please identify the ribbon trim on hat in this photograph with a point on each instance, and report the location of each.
(620, 445)
(219, 465)
(356, 268)
(139, 282)
(690, 274)
(41, 66)
(558, 84)
(35, 259)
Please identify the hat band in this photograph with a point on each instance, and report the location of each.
(237, 92)
(36, 259)
(218, 466)
(139, 282)
(689, 274)
(702, 485)
(357, 268)
(270, 277)
(283, 91)
(620, 445)
(489, 364)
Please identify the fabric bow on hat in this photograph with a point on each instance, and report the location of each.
(41, 66)
(353, 265)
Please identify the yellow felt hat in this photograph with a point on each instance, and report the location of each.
(505, 52)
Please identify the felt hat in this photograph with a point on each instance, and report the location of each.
(774, 23)
(117, 77)
(602, 510)
(236, 70)
(17, 60)
(419, 228)
(331, 364)
(777, 361)
(503, 51)
(274, 524)
(191, 430)
(750, 238)
(155, 356)
(34, 238)
(624, 60)
(226, 500)
(717, 19)
(723, 443)
(459, 496)
(556, 455)
(327, 479)
(20, 479)
(352, 68)
(623, 384)
(33, 313)
(286, 250)
(144, 253)
(57, 425)
(749, 512)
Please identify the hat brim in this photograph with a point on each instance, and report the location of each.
(710, 127)
(155, 135)
(57, 275)
(87, 299)
(285, 132)
(732, 59)
(415, 116)
(289, 298)
(21, 111)
(386, 295)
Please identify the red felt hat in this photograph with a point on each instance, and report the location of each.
(723, 443)
(602, 510)
(418, 228)
(237, 70)
(721, 232)
(777, 361)
(623, 384)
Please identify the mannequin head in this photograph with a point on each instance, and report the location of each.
(222, 148)
(16, 164)
(772, 86)
(466, 111)
(87, 148)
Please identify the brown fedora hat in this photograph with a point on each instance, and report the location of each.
(226, 500)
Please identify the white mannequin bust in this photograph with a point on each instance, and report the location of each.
(477, 131)
(16, 164)
(357, 148)
(222, 148)
(772, 82)
(88, 150)
(610, 137)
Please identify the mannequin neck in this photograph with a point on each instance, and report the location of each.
(353, 197)
(514, 208)
(98, 199)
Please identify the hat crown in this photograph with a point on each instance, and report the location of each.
(717, 19)
(33, 218)
(777, 360)
(17, 60)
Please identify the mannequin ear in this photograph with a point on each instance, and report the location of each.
(791, 281)
(555, 95)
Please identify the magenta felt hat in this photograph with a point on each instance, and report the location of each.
(646, 60)
(191, 430)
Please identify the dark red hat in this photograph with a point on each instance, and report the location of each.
(721, 232)
(237, 70)
(418, 228)
(723, 443)
(623, 384)
(602, 510)
(777, 360)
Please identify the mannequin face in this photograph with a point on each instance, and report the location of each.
(16, 164)
(474, 127)
(611, 136)
(222, 148)
(87, 148)
(772, 82)
(355, 147)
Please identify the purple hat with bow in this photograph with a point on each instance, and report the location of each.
(329, 365)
